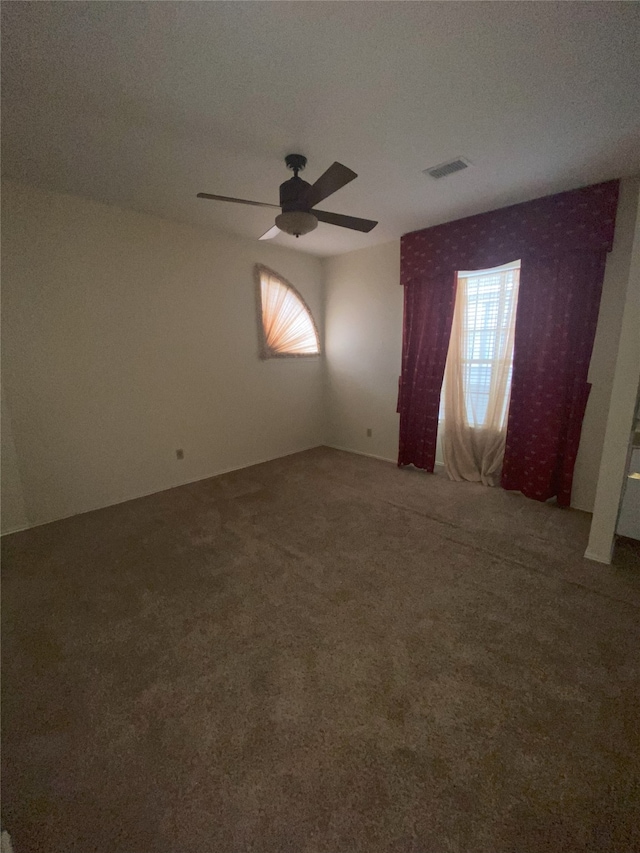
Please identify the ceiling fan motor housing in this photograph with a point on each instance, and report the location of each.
(292, 194)
(295, 218)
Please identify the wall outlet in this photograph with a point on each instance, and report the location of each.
(179, 454)
(369, 432)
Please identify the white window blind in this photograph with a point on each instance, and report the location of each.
(489, 298)
(287, 324)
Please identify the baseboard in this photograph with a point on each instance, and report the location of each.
(581, 508)
(591, 555)
(19, 529)
(438, 465)
(361, 453)
(159, 491)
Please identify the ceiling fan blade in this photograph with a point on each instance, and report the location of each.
(270, 234)
(237, 200)
(336, 177)
(352, 222)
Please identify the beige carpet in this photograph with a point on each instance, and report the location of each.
(322, 653)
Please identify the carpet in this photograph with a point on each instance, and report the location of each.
(320, 653)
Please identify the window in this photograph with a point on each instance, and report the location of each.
(286, 325)
(481, 348)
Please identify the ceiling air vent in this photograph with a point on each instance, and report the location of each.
(445, 169)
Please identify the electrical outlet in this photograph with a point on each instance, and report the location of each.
(369, 432)
(180, 454)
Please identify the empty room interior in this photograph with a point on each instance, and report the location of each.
(320, 427)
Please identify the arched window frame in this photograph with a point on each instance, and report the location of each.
(265, 350)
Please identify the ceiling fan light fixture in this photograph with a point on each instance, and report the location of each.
(296, 222)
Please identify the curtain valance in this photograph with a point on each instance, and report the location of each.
(552, 226)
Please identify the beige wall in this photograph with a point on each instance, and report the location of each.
(126, 337)
(620, 417)
(364, 343)
(12, 504)
(364, 339)
(605, 347)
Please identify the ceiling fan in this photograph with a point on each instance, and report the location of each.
(298, 199)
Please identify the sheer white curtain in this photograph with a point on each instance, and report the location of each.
(477, 379)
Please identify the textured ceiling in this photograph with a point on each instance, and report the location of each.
(145, 104)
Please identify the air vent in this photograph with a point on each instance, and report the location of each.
(445, 169)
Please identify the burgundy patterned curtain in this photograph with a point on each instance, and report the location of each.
(555, 327)
(428, 313)
(562, 241)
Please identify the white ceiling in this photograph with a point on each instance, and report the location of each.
(145, 104)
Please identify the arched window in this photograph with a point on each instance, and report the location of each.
(286, 325)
